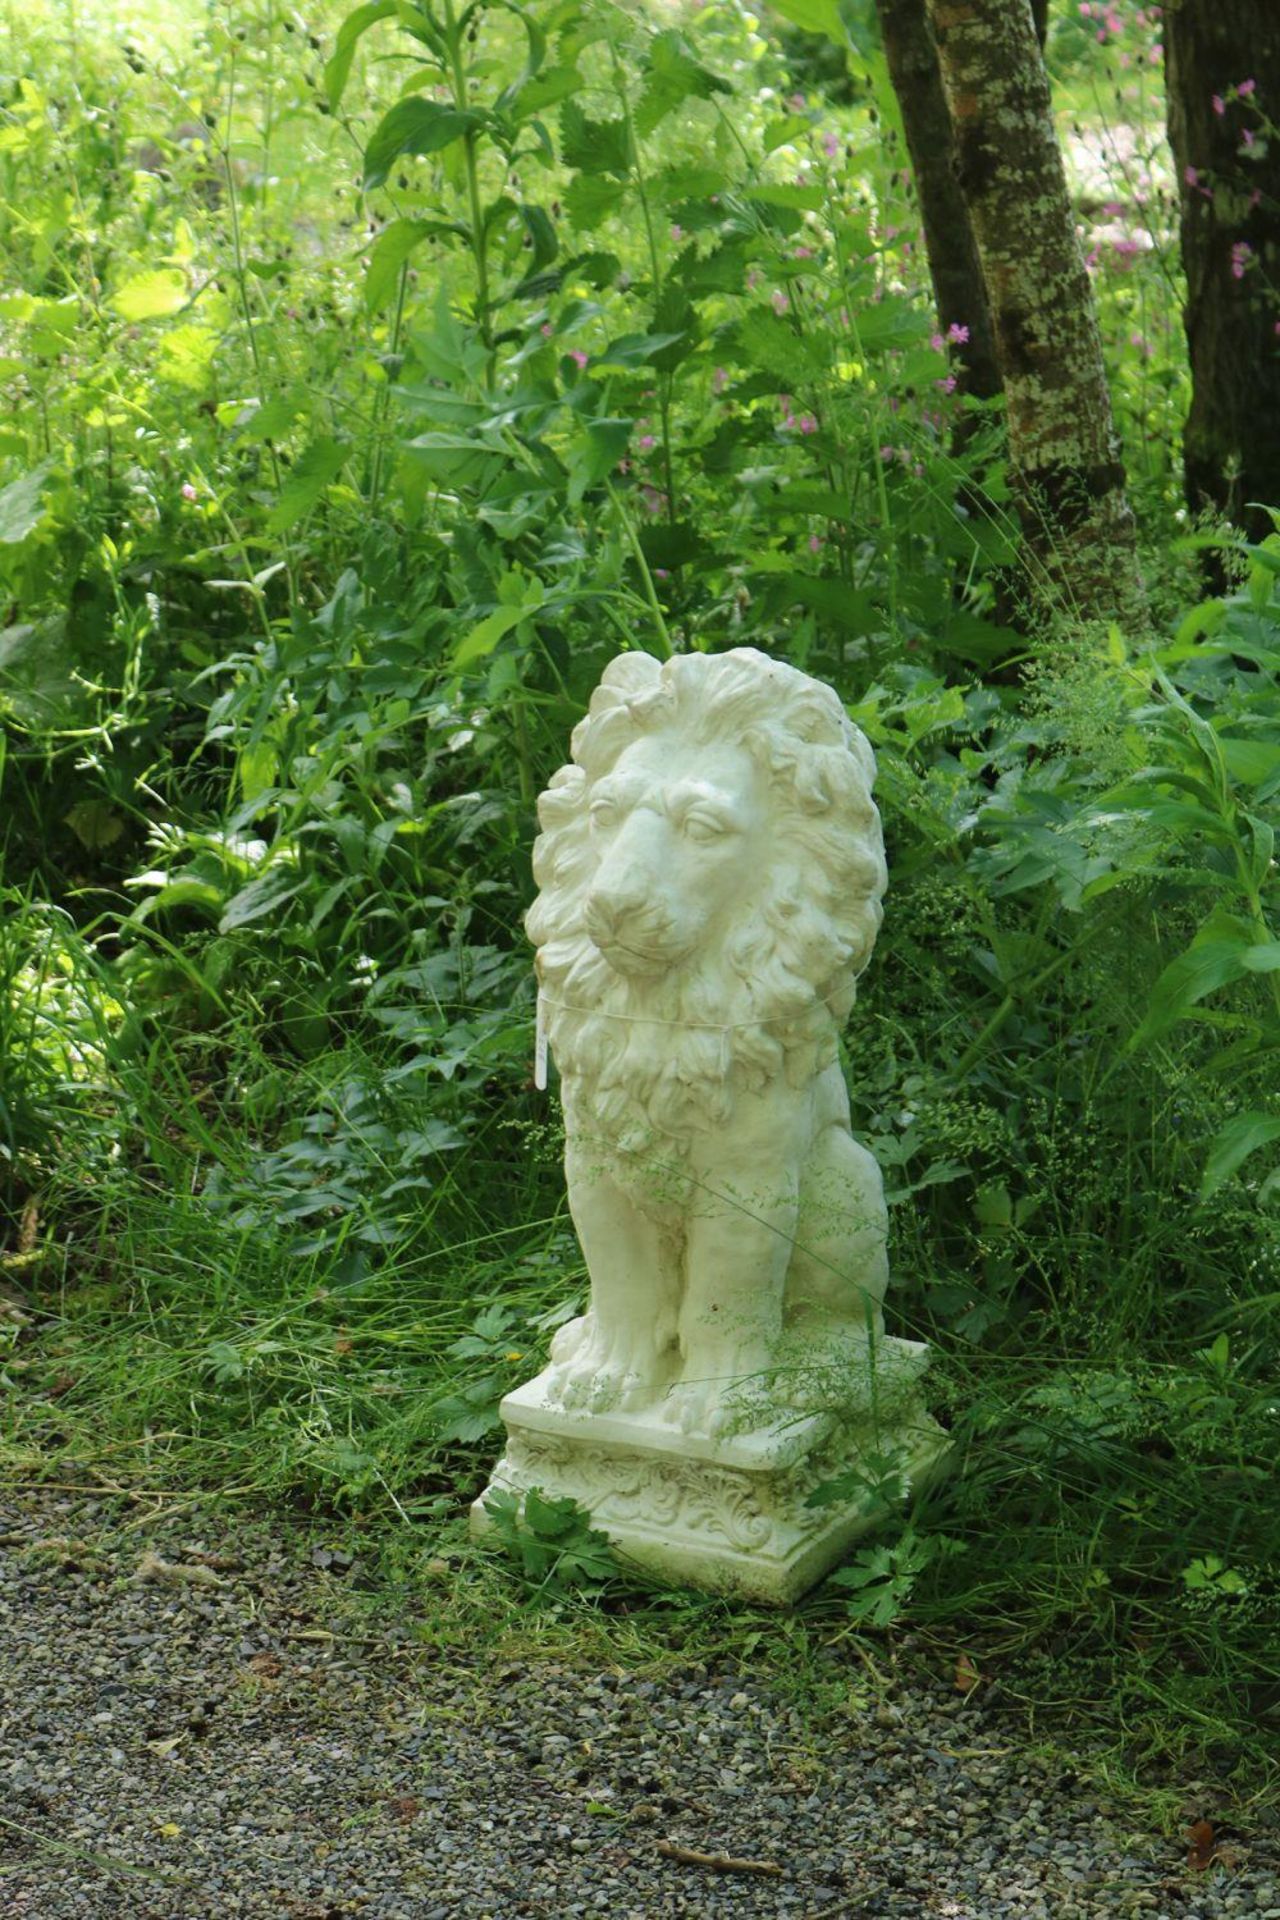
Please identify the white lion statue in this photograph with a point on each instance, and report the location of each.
(710, 872)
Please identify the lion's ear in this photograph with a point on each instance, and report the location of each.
(628, 674)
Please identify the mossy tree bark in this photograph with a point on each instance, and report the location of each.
(1227, 156)
(958, 290)
(1065, 471)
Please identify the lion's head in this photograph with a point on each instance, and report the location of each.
(710, 871)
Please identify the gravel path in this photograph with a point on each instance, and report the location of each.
(195, 1724)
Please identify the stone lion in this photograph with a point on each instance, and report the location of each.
(710, 871)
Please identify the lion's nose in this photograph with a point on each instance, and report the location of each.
(608, 909)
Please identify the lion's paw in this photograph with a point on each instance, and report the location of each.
(593, 1379)
(697, 1407)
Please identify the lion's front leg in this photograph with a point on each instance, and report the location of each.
(738, 1253)
(620, 1354)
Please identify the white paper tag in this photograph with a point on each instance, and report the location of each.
(540, 1047)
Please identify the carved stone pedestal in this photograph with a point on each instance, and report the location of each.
(728, 1513)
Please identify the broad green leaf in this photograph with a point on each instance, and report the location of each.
(275, 418)
(1250, 761)
(780, 194)
(594, 453)
(595, 146)
(454, 459)
(415, 126)
(633, 349)
(95, 824)
(538, 225)
(186, 355)
(315, 468)
(813, 16)
(151, 296)
(392, 248)
(777, 133)
(673, 76)
(889, 323)
(1201, 970)
(723, 270)
(543, 90)
(993, 1205)
(337, 69)
(1231, 1146)
(589, 200)
(263, 895)
(482, 640)
(22, 504)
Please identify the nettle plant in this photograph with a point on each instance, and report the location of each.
(666, 385)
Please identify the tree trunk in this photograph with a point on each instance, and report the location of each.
(1065, 471)
(958, 292)
(1040, 14)
(1228, 167)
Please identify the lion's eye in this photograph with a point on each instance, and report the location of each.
(700, 827)
(604, 814)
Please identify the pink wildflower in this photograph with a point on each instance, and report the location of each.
(1192, 176)
(1219, 104)
(645, 443)
(807, 423)
(1245, 88)
(778, 300)
(546, 330)
(577, 356)
(1241, 253)
(719, 380)
(815, 543)
(1248, 136)
(946, 386)
(937, 341)
(958, 335)
(796, 103)
(831, 145)
(189, 492)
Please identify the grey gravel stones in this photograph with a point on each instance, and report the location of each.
(172, 1749)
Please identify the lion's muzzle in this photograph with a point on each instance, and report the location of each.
(635, 935)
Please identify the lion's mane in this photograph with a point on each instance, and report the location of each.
(646, 1058)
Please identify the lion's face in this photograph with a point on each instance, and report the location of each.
(680, 835)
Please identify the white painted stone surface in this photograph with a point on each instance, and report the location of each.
(710, 871)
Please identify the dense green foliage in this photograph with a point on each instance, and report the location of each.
(369, 385)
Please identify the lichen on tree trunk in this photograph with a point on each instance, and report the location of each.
(1228, 167)
(1065, 473)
